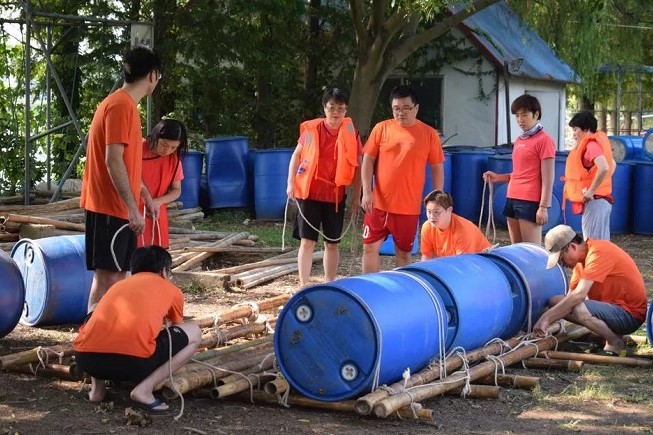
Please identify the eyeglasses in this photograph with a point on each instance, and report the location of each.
(563, 251)
(168, 272)
(336, 109)
(435, 213)
(158, 75)
(403, 109)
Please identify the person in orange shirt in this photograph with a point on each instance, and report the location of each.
(444, 233)
(162, 175)
(396, 155)
(123, 339)
(111, 186)
(530, 185)
(606, 292)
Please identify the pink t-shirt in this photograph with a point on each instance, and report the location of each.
(592, 151)
(527, 155)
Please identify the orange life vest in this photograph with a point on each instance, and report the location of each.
(346, 152)
(577, 177)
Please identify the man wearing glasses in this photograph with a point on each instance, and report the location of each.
(606, 292)
(396, 155)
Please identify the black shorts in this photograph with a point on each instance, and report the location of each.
(321, 215)
(100, 229)
(117, 367)
(521, 209)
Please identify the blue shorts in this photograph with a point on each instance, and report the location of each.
(618, 320)
(521, 209)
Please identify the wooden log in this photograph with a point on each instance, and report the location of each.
(76, 218)
(67, 204)
(259, 343)
(197, 216)
(216, 337)
(31, 356)
(197, 259)
(236, 249)
(276, 386)
(598, 359)
(515, 381)
(174, 205)
(478, 392)
(7, 246)
(244, 310)
(181, 212)
(181, 259)
(206, 279)
(9, 237)
(67, 372)
(257, 380)
(39, 231)
(390, 404)
(253, 281)
(266, 362)
(553, 364)
(256, 265)
(25, 219)
(9, 227)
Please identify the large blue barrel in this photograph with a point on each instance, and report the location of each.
(388, 245)
(467, 188)
(642, 198)
(621, 192)
(336, 340)
(500, 163)
(647, 143)
(532, 284)
(57, 284)
(628, 148)
(499, 202)
(226, 171)
(476, 294)
(428, 183)
(649, 323)
(12, 294)
(190, 185)
(270, 181)
(566, 216)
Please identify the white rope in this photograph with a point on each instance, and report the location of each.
(155, 225)
(490, 212)
(497, 361)
(113, 241)
(172, 380)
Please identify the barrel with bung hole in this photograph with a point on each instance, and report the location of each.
(12, 294)
(337, 340)
(57, 284)
(532, 284)
(642, 198)
(649, 323)
(468, 167)
(191, 163)
(226, 171)
(499, 203)
(628, 148)
(476, 294)
(270, 182)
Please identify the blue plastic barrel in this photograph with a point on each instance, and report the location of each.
(388, 245)
(467, 187)
(476, 294)
(12, 294)
(621, 192)
(226, 171)
(333, 340)
(532, 284)
(647, 143)
(649, 322)
(270, 181)
(57, 284)
(628, 148)
(190, 185)
(500, 163)
(566, 217)
(428, 183)
(499, 203)
(642, 198)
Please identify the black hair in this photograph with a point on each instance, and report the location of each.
(440, 197)
(336, 95)
(403, 91)
(153, 259)
(584, 120)
(578, 239)
(139, 62)
(526, 102)
(171, 129)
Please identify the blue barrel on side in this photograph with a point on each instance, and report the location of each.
(12, 294)
(649, 322)
(467, 187)
(628, 148)
(57, 284)
(642, 198)
(388, 245)
(476, 294)
(270, 181)
(532, 284)
(622, 194)
(499, 203)
(190, 186)
(335, 341)
(226, 171)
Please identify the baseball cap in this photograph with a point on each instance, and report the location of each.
(555, 240)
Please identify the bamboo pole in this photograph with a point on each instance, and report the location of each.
(175, 205)
(599, 359)
(9, 237)
(66, 204)
(185, 211)
(236, 249)
(285, 258)
(39, 231)
(390, 404)
(516, 381)
(262, 344)
(208, 279)
(188, 217)
(67, 372)
(245, 310)
(477, 392)
(9, 227)
(265, 363)
(197, 259)
(255, 380)
(276, 386)
(553, 364)
(272, 274)
(216, 337)
(32, 356)
(25, 219)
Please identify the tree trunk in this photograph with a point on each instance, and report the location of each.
(311, 93)
(365, 91)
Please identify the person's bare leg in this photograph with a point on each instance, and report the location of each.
(371, 259)
(98, 390)
(305, 261)
(514, 230)
(402, 258)
(143, 392)
(530, 231)
(331, 260)
(102, 281)
(582, 316)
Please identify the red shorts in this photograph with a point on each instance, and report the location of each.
(378, 224)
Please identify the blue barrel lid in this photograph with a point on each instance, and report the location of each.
(30, 261)
(225, 138)
(12, 294)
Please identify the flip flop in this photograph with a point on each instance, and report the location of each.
(604, 352)
(152, 407)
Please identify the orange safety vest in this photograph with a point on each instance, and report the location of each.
(346, 152)
(577, 177)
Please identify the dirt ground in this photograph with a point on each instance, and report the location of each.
(597, 399)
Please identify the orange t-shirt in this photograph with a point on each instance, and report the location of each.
(527, 155)
(617, 279)
(401, 155)
(462, 237)
(116, 121)
(129, 317)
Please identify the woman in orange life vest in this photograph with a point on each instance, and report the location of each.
(325, 161)
(162, 175)
(588, 176)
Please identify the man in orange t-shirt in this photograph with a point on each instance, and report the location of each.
(604, 274)
(111, 186)
(399, 148)
(445, 233)
(122, 339)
